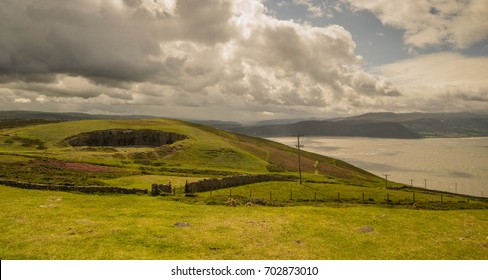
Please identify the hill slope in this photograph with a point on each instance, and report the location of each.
(204, 151)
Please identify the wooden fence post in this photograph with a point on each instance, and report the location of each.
(363, 197)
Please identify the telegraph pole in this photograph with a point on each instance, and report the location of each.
(425, 183)
(386, 180)
(298, 151)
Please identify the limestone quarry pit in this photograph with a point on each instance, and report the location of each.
(125, 138)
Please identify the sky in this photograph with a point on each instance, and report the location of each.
(244, 60)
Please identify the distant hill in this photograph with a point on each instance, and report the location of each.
(355, 128)
(9, 119)
(65, 116)
(381, 125)
(433, 124)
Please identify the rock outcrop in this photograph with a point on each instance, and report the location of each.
(125, 137)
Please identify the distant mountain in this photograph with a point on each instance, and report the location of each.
(381, 125)
(280, 121)
(218, 124)
(9, 119)
(332, 128)
(433, 124)
(68, 116)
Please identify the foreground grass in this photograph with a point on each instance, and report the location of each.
(56, 225)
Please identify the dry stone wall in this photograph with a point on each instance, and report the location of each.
(158, 189)
(64, 188)
(232, 181)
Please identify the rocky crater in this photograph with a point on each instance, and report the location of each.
(125, 137)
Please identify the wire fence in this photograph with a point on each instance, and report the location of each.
(420, 200)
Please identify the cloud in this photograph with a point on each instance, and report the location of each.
(428, 23)
(156, 56)
(439, 70)
(101, 40)
(22, 100)
(314, 10)
(441, 81)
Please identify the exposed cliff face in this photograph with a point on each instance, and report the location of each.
(125, 137)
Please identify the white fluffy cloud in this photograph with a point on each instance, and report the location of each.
(314, 10)
(427, 23)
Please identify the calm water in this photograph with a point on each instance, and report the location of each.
(444, 162)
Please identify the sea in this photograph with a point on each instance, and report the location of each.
(457, 165)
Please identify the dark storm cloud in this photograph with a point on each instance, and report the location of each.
(55, 37)
(100, 42)
(133, 3)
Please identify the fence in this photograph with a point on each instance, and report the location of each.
(81, 189)
(414, 200)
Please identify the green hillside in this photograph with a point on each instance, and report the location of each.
(339, 212)
(206, 152)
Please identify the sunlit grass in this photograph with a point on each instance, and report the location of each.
(339, 212)
(55, 225)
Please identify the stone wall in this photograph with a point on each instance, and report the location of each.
(227, 182)
(64, 188)
(159, 189)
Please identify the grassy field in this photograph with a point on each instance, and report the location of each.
(340, 212)
(56, 225)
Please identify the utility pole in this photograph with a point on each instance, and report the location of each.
(298, 151)
(386, 180)
(425, 183)
(455, 187)
(411, 182)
